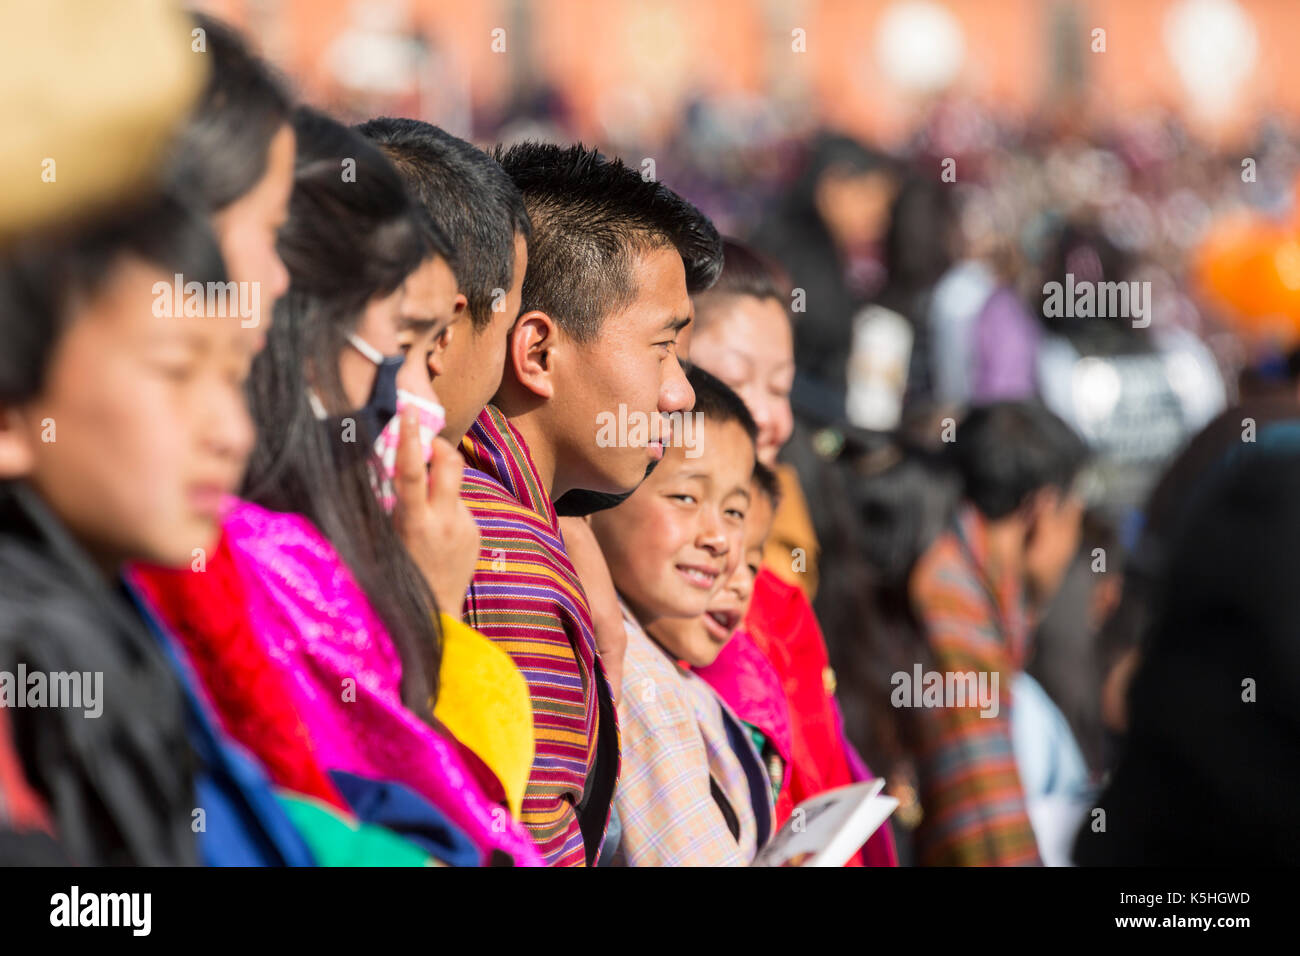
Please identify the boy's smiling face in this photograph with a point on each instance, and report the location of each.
(148, 426)
(677, 539)
(699, 640)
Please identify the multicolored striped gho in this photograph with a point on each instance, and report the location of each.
(974, 616)
(526, 597)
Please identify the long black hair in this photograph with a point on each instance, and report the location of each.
(221, 153)
(348, 240)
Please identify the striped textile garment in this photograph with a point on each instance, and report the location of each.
(526, 597)
(974, 617)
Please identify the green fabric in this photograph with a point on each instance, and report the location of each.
(336, 840)
(771, 759)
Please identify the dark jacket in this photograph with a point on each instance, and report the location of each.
(119, 786)
(1210, 774)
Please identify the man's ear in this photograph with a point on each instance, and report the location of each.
(530, 354)
(437, 360)
(17, 457)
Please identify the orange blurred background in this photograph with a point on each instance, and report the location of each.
(865, 66)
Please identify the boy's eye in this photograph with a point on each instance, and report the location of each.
(736, 513)
(176, 371)
(688, 499)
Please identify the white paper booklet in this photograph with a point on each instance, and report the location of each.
(829, 828)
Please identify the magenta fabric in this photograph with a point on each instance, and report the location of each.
(746, 680)
(316, 622)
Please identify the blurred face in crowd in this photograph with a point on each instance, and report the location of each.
(468, 363)
(675, 542)
(141, 428)
(427, 310)
(632, 362)
(855, 206)
(747, 342)
(699, 640)
(1051, 542)
(246, 230)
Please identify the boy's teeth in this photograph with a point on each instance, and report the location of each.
(695, 574)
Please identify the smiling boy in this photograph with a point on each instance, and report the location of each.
(611, 263)
(694, 792)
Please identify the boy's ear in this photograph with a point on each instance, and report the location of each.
(530, 354)
(16, 455)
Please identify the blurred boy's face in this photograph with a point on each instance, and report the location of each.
(247, 230)
(467, 370)
(699, 640)
(427, 308)
(142, 427)
(747, 342)
(677, 539)
(632, 362)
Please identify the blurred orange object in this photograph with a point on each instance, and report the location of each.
(1250, 268)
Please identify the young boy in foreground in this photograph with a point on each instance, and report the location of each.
(693, 790)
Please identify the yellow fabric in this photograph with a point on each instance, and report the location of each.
(791, 551)
(483, 700)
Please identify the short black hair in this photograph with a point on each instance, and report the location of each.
(716, 401)
(468, 195)
(745, 272)
(1006, 451)
(590, 215)
(768, 484)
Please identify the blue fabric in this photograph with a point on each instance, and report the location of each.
(760, 784)
(244, 824)
(1047, 757)
(399, 808)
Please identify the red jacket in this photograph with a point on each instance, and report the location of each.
(783, 625)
